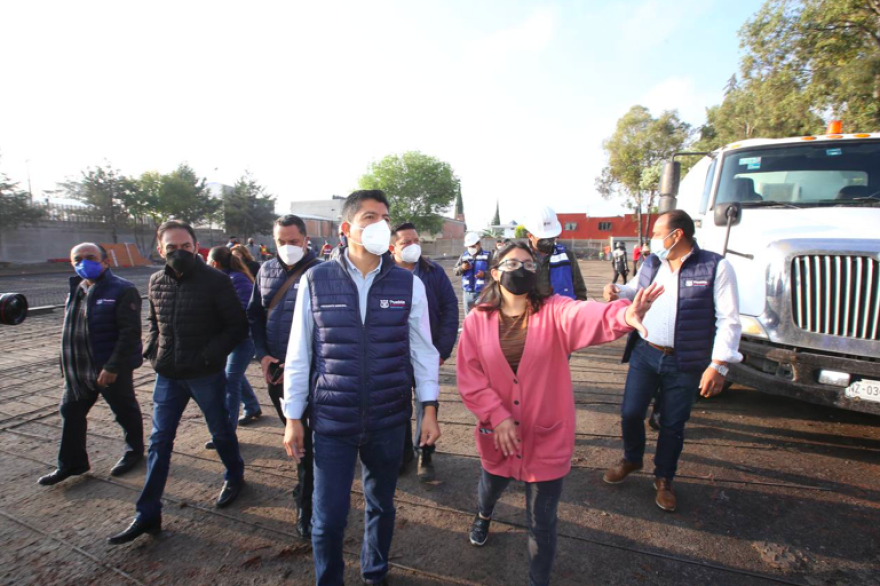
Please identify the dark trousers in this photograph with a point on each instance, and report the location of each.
(542, 499)
(120, 397)
(170, 398)
(622, 274)
(380, 453)
(650, 370)
(305, 470)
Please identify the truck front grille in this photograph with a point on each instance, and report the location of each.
(837, 295)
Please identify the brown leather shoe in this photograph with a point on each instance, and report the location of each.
(618, 473)
(665, 497)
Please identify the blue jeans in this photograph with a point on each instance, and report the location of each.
(249, 399)
(169, 400)
(236, 367)
(650, 370)
(469, 300)
(542, 500)
(381, 453)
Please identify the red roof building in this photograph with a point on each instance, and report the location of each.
(583, 227)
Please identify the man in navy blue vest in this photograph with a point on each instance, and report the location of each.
(558, 269)
(360, 341)
(693, 334)
(270, 313)
(444, 314)
(100, 348)
(473, 266)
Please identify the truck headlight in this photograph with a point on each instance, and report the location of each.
(752, 327)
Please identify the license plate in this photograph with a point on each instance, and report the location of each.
(869, 390)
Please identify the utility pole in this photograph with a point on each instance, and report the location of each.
(27, 162)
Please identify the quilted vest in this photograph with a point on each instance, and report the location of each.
(101, 316)
(362, 376)
(479, 262)
(270, 279)
(695, 321)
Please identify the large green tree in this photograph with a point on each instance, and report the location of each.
(832, 49)
(419, 187)
(639, 142)
(183, 195)
(247, 208)
(107, 191)
(803, 61)
(15, 205)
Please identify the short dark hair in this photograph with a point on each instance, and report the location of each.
(680, 220)
(402, 227)
(292, 220)
(354, 202)
(175, 225)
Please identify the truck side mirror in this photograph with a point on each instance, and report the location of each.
(670, 178)
(725, 212)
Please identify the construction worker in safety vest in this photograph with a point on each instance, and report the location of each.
(473, 266)
(558, 270)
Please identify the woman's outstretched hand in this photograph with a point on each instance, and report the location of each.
(640, 306)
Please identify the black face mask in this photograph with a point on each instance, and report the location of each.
(519, 281)
(180, 260)
(546, 245)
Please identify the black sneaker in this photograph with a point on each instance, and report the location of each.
(479, 531)
(249, 418)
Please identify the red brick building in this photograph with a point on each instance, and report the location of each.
(583, 227)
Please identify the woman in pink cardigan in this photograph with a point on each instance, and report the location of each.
(513, 374)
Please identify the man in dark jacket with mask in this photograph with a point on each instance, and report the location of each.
(443, 312)
(558, 269)
(270, 313)
(100, 348)
(196, 320)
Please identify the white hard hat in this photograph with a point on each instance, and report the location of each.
(471, 239)
(543, 223)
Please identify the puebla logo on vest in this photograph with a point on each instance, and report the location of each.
(103, 301)
(696, 283)
(392, 304)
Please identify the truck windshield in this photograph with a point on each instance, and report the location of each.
(803, 175)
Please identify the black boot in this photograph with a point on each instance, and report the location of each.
(126, 463)
(426, 466)
(229, 493)
(59, 475)
(135, 530)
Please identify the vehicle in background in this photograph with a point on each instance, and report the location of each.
(799, 219)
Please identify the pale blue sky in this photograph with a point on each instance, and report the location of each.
(517, 96)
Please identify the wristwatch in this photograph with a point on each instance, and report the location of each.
(434, 404)
(722, 370)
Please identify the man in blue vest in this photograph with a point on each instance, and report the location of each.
(360, 341)
(100, 348)
(693, 334)
(558, 269)
(270, 313)
(444, 315)
(472, 266)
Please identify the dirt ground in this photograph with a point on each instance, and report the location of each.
(770, 491)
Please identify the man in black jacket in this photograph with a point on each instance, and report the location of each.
(196, 319)
(100, 347)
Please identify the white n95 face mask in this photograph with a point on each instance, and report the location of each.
(472, 250)
(376, 237)
(411, 253)
(290, 255)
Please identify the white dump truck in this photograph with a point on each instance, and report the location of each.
(799, 219)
